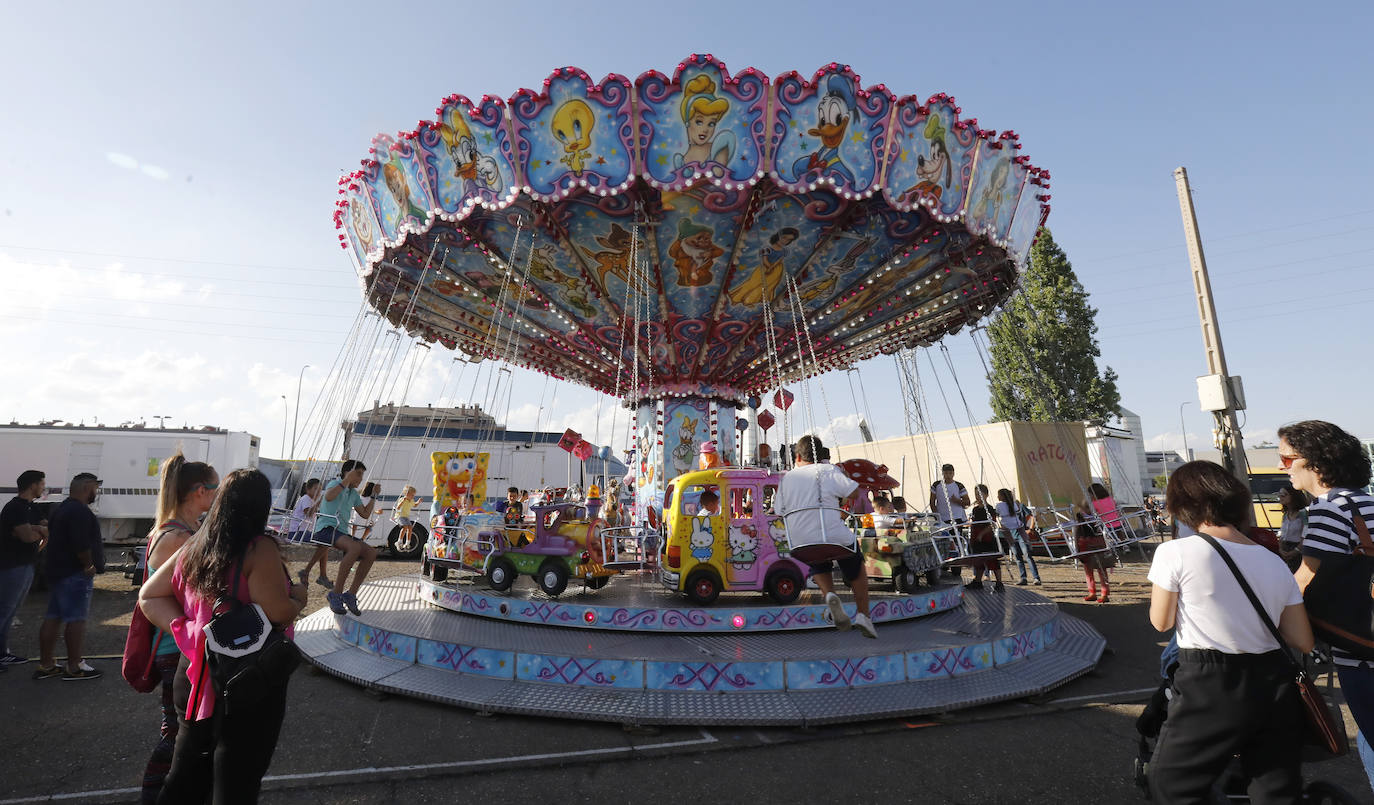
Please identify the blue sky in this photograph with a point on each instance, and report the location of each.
(167, 175)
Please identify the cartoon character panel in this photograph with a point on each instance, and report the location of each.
(1025, 224)
(402, 195)
(466, 155)
(830, 131)
(359, 224)
(686, 425)
(649, 453)
(574, 134)
(701, 124)
(996, 187)
(457, 474)
(933, 156)
(850, 255)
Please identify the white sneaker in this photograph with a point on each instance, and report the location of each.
(835, 615)
(85, 666)
(865, 626)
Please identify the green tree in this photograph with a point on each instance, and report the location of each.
(1044, 348)
(1161, 481)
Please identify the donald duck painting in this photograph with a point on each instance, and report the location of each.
(834, 111)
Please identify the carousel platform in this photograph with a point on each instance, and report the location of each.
(631, 653)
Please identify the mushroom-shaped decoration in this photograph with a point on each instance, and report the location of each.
(868, 475)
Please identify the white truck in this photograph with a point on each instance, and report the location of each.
(125, 458)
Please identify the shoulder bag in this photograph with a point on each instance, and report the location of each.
(247, 656)
(1340, 597)
(138, 667)
(1325, 728)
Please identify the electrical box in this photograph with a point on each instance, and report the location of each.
(1237, 393)
(1217, 393)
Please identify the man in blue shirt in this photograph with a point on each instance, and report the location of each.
(341, 496)
(75, 554)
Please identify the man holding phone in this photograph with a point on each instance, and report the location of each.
(340, 500)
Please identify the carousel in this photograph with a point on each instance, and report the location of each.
(693, 246)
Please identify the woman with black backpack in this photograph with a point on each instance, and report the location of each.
(230, 564)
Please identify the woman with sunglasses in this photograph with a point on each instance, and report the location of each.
(186, 491)
(1332, 466)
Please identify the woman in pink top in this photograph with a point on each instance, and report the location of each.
(216, 753)
(1101, 506)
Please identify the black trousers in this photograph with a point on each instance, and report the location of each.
(222, 759)
(1224, 705)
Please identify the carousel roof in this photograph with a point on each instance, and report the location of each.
(701, 233)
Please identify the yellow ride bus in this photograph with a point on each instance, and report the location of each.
(1265, 484)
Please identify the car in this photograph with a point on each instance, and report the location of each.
(743, 548)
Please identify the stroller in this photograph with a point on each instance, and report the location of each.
(1232, 784)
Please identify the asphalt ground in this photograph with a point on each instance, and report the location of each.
(88, 741)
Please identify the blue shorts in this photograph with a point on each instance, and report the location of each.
(329, 535)
(69, 599)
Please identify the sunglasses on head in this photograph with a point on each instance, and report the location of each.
(210, 487)
(1286, 462)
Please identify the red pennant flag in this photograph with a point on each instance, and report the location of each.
(569, 440)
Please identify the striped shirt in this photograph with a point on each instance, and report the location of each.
(1330, 529)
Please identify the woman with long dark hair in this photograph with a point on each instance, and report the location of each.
(185, 494)
(1294, 502)
(219, 753)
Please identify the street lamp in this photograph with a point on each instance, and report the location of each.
(299, 379)
(285, 409)
(162, 421)
(1186, 456)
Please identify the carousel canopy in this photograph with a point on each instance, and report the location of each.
(699, 234)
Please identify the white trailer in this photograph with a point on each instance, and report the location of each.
(126, 459)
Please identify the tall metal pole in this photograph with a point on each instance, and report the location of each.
(1183, 428)
(1228, 428)
(299, 379)
(285, 405)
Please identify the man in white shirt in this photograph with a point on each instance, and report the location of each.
(948, 498)
(808, 499)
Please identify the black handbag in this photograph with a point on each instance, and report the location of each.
(1340, 597)
(1325, 727)
(247, 656)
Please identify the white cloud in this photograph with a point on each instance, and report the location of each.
(122, 160)
(842, 430)
(129, 163)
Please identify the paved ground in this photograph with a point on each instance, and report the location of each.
(87, 741)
